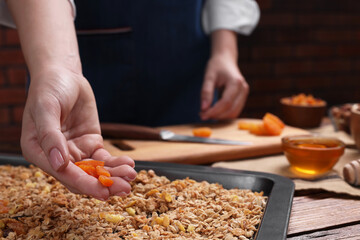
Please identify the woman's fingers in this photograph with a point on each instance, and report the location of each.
(120, 187)
(207, 91)
(121, 170)
(112, 161)
(89, 185)
(124, 171)
(232, 101)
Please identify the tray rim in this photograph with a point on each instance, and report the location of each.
(275, 221)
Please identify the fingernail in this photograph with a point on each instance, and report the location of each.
(121, 194)
(56, 159)
(128, 179)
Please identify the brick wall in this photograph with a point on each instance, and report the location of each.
(12, 89)
(310, 46)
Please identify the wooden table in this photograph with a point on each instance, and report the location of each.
(324, 216)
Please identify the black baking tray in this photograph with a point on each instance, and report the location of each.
(280, 190)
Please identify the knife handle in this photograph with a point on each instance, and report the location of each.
(128, 131)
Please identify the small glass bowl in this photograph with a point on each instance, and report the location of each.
(312, 155)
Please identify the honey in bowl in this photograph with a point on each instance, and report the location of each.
(312, 155)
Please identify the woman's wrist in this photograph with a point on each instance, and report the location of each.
(69, 64)
(224, 44)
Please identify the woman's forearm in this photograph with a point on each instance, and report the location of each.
(224, 42)
(47, 34)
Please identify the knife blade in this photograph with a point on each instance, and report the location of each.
(136, 132)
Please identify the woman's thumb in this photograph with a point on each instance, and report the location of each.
(53, 142)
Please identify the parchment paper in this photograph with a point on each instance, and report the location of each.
(278, 164)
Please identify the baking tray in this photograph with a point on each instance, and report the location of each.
(280, 190)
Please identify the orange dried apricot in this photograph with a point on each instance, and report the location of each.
(102, 171)
(270, 125)
(273, 124)
(106, 181)
(305, 100)
(258, 129)
(96, 169)
(90, 162)
(202, 132)
(89, 170)
(245, 125)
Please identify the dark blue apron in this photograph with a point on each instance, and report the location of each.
(145, 59)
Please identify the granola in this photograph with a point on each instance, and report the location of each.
(34, 205)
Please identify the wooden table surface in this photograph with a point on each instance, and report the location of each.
(325, 216)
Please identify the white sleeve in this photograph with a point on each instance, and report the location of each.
(240, 16)
(7, 20)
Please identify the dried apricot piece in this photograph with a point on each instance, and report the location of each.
(202, 132)
(273, 124)
(90, 162)
(258, 129)
(91, 170)
(96, 169)
(245, 125)
(305, 100)
(106, 181)
(275, 119)
(100, 170)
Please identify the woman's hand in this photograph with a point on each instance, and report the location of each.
(60, 121)
(61, 126)
(223, 73)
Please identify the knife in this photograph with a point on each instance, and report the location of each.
(136, 132)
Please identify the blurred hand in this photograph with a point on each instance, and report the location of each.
(61, 126)
(223, 73)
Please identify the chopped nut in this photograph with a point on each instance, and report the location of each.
(146, 228)
(190, 228)
(113, 218)
(130, 211)
(166, 221)
(130, 204)
(24, 175)
(166, 196)
(30, 185)
(151, 192)
(2, 224)
(39, 174)
(47, 189)
(16, 226)
(159, 220)
(181, 227)
(15, 209)
(235, 198)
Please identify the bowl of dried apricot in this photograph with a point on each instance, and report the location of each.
(312, 155)
(304, 111)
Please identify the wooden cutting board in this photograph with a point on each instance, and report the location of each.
(200, 153)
